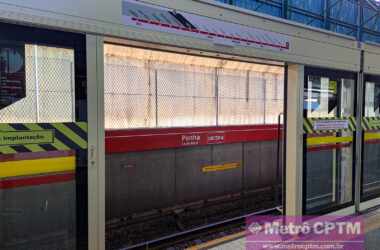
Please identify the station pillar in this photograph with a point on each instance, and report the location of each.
(294, 140)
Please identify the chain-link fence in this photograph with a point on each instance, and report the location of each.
(186, 96)
(157, 89)
(50, 91)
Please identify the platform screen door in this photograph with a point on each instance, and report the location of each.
(43, 139)
(329, 134)
(371, 154)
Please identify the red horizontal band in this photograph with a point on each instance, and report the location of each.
(149, 139)
(34, 181)
(328, 147)
(35, 155)
(149, 131)
(374, 141)
(320, 135)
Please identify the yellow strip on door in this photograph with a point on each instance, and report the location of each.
(36, 167)
(314, 141)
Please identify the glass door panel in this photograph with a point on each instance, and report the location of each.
(43, 139)
(371, 139)
(329, 107)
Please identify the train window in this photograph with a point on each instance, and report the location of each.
(328, 159)
(49, 84)
(152, 89)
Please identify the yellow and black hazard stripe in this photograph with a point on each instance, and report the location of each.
(64, 136)
(308, 125)
(371, 123)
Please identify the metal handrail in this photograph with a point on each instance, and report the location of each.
(278, 167)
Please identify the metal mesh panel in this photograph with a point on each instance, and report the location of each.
(49, 88)
(257, 97)
(147, 89)
(56, 90)
(233, 99)
(186, 96)
(129, 95)
(274, 100)
(249, 97)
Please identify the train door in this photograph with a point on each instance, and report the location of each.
(43, 139)
(370, 178)
(329, 135)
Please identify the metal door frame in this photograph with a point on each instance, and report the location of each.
(96, 151)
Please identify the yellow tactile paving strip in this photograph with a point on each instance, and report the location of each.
(217, 242)
(372, 221)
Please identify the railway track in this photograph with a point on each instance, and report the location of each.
(187, 227)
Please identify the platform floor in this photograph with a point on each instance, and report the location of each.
(372, 241)
(372, 224)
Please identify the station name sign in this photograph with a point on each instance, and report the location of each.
(218, 32)
(196, 139)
